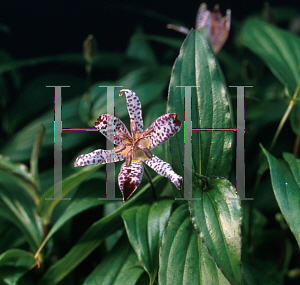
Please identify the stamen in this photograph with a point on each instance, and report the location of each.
(129, 158)
(145, 150)
(119, 148)
(121, 134)
(146, 133)
(133, 128)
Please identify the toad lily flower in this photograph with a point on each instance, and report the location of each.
(217, 28)
(135, 148)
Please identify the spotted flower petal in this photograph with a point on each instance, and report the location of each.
(164, 127)
(179, 29)
(203, 17)
(134, 110)
(98, 156)
(130, 178)
(134, 148)
(104, 120)
(219, 28)
(164, 169)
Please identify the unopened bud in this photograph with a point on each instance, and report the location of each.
(90, 48)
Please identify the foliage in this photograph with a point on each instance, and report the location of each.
(153, 238)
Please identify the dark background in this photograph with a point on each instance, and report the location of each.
(39, 28)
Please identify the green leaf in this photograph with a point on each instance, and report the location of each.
(286, 190)
(217, 217)
(145, 226)
(108, 209)
(14, 263)
(84, 199)
(294, 165)
(92, 238)
(118, 267)
(140, 49)
(19, 147)
(40, 138)
(277, 48)
(17, 174)
(19, 208)
(11, 236)
(211, 150)
(183, 259)
(45, 207)
(29, 101)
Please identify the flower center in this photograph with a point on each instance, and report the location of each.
(135, 147)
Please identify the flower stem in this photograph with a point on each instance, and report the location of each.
(152, 186)
(296, 146)
(285, 116)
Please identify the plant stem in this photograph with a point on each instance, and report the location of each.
(296, 146)
(152, 186)
(285, 116)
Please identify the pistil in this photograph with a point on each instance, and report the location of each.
(134, 144)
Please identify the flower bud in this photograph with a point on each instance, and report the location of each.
(90, 48)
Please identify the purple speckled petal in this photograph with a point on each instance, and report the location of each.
(164, 169)
(219, 28)
(130, 178)
(203, 18)
(179, 29)
(228, 19)
(101, 125)
(164, 127)
(98, 156)
(134, 109)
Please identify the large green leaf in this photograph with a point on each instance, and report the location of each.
(211, 150)
(45, 207)
(18, 207)
(108, 209)
(84, 199)
(286, 190)
(294, 165)
(92, 238)
(217, 217)
(145, 226)
(279, 49)
(183, 259)
(120, 266)
(14, 263)
(18, 174)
